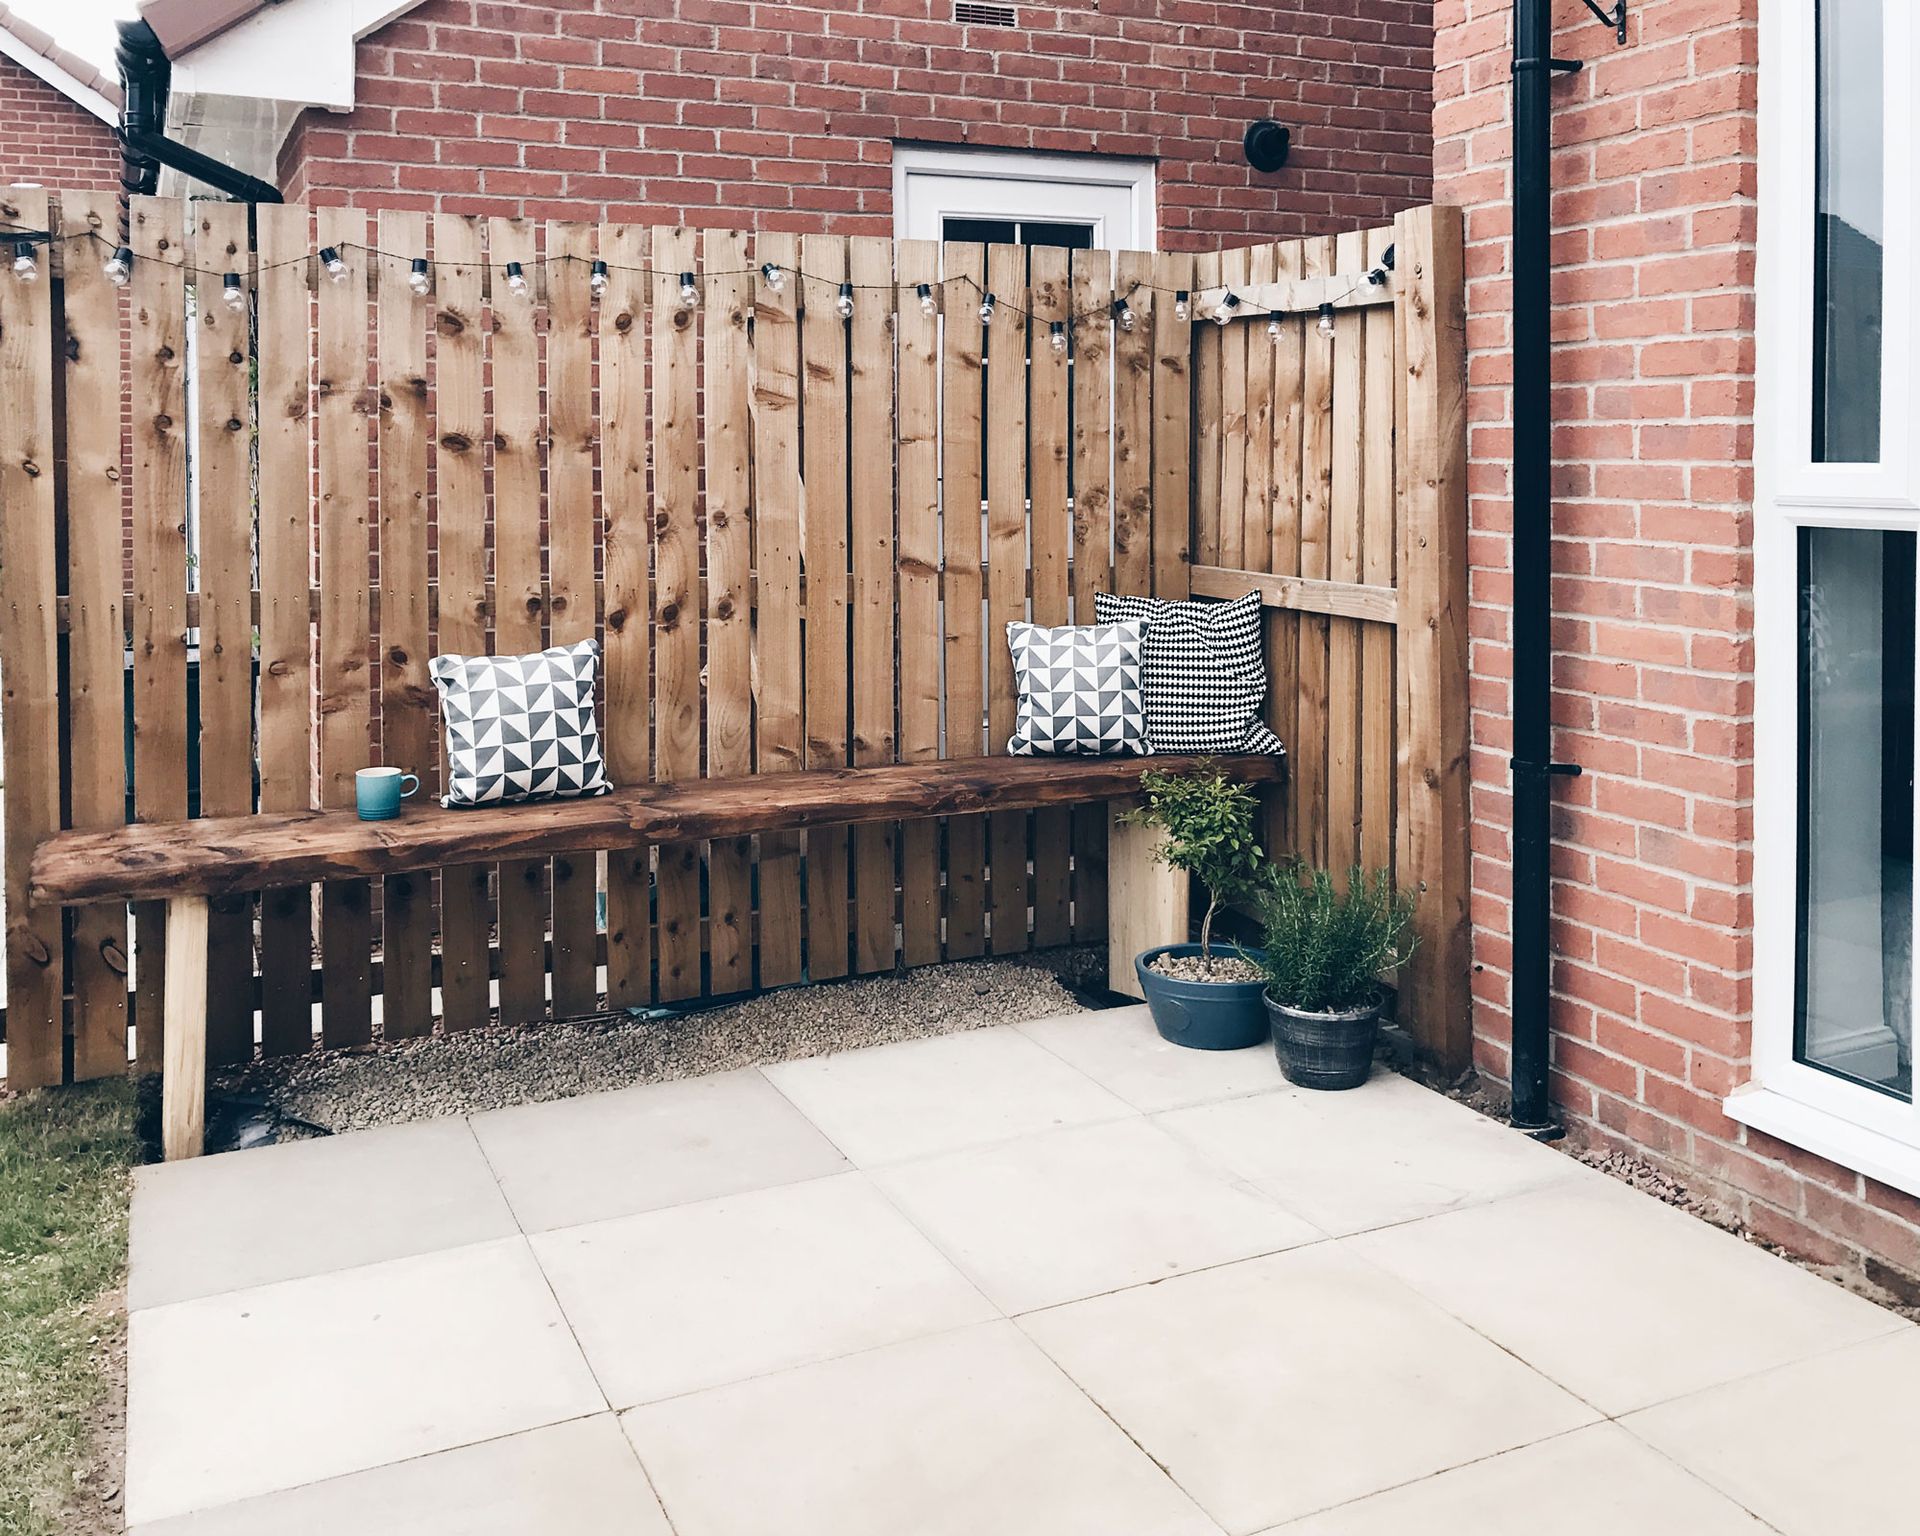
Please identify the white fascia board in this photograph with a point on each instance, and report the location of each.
(300, 52)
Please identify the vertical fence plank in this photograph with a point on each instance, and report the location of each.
(159, 346)
(1006, 346)
(1433, 634)
(1050, 437)
(408, 709)
(1317, 451)
(1209, 395)
(29, 659)
(871, 501)
(1094, 334)
(571, 541)
(1283, 630)
(726, 309)
(961, 397)
(223, 500)
(623, 491)
(346, 918)
(780, 735)
(1172, 432)
(823, 347)
(1256, 511)
(96, 389)
(1350, 429)
(460, 519)
(1378, 537)
(1133, 426)
(677, 606)
(1236, 341)
(519, 599)
(286, 623)
(918, 500)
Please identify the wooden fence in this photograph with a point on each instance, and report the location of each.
(798, 534)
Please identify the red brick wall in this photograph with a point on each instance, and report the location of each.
(46, 138)
(1654, 212)
(728, 112)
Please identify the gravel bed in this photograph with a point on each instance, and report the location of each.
(498, 1066)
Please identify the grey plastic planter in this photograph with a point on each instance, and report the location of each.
(1324, 1050)
(1205, 1015)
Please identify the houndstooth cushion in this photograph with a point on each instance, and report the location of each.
(521, 727)
(1079, 688)
(1201, 671)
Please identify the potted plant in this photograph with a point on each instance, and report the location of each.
(1325, 949)
(1199, 996)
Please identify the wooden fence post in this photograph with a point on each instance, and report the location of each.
(1435, 993)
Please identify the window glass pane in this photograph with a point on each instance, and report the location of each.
(979, 231)
(1854, 1002)
(1849, 229)
(1076, 237)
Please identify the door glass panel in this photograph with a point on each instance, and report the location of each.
(1849, 233)
(1076, 237)
(979, 231)
(1854, 985)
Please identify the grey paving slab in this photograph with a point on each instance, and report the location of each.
(1054, 1218)
(581, 1478)
(676, 1300)
(645, 1148)
(1120, 1049)
(1387, 1152)
(1279, 1386)
(213, 1224)
(920, 1097)
(960, 1434)
(1821, 1447)
(1619, 1298)
(249, 1392)
(1597, 1481)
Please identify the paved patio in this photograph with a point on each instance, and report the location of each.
(1056, 1279)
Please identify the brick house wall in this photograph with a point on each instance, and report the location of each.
(1655, 226)
(744, 114)
(49, 139)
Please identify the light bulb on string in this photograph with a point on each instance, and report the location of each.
(929, 306)
(330, 261)
(232, 294)
(118, 267)
(1181, 309)
(1057, 338)
(419, 279)
(517, 281)
(1123, 315)
(689, 291)
(844, 304)
(1377, 276)
(25, 267)
(1273, 328)
(1326, 321)
(986, 310)
(1223, 311)
(597, 279)
(776, 280)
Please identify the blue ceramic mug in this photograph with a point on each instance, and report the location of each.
(379, 791)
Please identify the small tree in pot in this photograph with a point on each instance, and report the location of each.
(1208, 822)
(1325, 950)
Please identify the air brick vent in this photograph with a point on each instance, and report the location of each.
(970, 15)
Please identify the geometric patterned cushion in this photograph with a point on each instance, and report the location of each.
(521, 727)
(1201, 670)
(1079, 689)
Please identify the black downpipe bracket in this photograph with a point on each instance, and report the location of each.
(1532, 639)
(146, 80)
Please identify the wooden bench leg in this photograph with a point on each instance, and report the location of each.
(1146, 901)
(183, 1082)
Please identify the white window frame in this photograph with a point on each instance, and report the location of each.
(1870, 1132)
(961, 183)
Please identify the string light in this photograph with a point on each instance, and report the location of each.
(776, 280)
(597, 279)
(335, 267)
(118, 267)
(1123, 315)
(1057, 338)
(845, 302)
(517, 281)
(1181, 310)
(987, 306)
(689, 292)
(1326, 321)
(232, 294)
(1273, 328)
(1223, 311)
(928, 305)
(418, 278)
(1378, 275)
(25, 268)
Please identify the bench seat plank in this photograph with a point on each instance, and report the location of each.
(230, 855)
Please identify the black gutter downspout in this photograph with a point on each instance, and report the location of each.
(146, 78)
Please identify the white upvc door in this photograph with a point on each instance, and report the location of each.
(1837, 516)
(1113, 200)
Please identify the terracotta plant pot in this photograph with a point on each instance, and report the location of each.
(1204, 1015)
(1324, 1050)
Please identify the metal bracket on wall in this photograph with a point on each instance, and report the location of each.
(1616, 18)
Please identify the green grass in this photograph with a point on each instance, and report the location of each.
(65, 1158)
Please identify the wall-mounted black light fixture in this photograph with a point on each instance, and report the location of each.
(1267, 144)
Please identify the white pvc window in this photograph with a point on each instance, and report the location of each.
(1023, 199)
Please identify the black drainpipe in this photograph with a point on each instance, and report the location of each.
(146, 77)
(1533, 766)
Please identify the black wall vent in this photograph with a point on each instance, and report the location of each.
(970, 15)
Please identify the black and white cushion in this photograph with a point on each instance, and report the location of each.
(1201, 671)
(1079, 690)
(521, 727)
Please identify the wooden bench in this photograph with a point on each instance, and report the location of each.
(185, 863)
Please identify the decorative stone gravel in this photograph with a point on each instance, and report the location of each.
(497, 1066)
(1227, 967)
